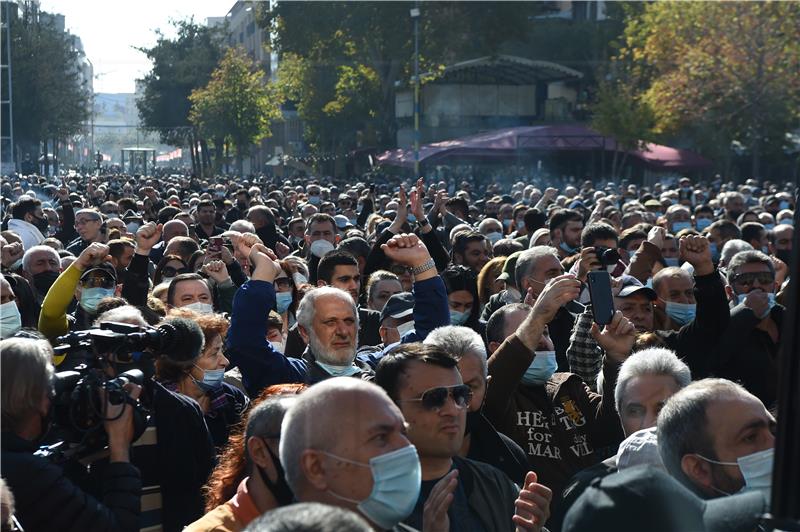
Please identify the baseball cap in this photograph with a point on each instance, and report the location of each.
(508, 268)
(646, 498)
(631, 285)
(398, 306)
(341, 221)
(640, 448)
(105, 268)
(653, 203)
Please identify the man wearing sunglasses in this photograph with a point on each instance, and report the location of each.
(748, 350)
(459, 493)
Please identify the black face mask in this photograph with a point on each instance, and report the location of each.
(785, 255)
(44, 280)
(41, 224)
(279, 489)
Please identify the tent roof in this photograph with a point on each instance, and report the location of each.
(504, 70)
(509, 142)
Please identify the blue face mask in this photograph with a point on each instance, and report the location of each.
(671, 261)
(90, 297)
(756, 471)
(765, 250)
(396, 482)
(681, 313)
(769, 227)
(507, 223)
(459, 318)
(680, 226)
(712, 247)
(770, 304)
(702, 223)
(542, 368)
(283, 301)
(411, 218)
(786, 221)
(567, 249)
(338, 371)
(212, 379)
(783, 205)
(314, 200)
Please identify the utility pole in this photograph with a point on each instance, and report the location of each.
(415, 16)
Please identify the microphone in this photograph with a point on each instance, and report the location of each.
(179, 339)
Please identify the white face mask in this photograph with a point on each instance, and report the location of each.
(278, 346)
(10, 319)
(403, 328)
(320, 248)
(200, 307)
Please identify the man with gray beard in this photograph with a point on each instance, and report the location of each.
(327, 319)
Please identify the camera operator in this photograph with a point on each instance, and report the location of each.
(45, 498)
(175, 452)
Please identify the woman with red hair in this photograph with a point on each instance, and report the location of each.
(249, 479)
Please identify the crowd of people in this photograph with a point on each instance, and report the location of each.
(326, 354)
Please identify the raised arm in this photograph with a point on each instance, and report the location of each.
(248, 348)
(508, 363)
(431, 309)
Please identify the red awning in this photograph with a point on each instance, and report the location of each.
(512, 142)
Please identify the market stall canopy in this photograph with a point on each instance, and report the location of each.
(515, 141)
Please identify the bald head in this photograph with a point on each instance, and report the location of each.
(174, 228)
(348, 407)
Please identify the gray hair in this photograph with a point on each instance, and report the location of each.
(28, 256)
(672, 272)
(539, 233)
(307, 308)
(459, 342)
(125, 314)
(265, 419)
(731, 248)
(316, 414)
(682, 423)
(487, 221)
(26, 377)
(651, 361)
(748, 257)
(307, 516)
(526, 262)
(243, 226)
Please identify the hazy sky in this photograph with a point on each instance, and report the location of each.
(110, 29)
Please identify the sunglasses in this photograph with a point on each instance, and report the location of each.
(169, 271)
(435, 398)
(749, 279)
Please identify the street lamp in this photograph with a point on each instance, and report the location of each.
(414, 12)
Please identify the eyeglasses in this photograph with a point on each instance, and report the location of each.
(750, 278)
(435, 398)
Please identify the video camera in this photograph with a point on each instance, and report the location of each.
(80, 394)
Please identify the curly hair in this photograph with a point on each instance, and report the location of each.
(232, 466)
(212, 325)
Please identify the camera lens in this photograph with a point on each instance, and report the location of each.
(607, 256)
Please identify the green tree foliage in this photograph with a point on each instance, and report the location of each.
(617, 113)
(730, 68)
(341, 61)
(236, 106)
(49, 99)
(180, 65)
